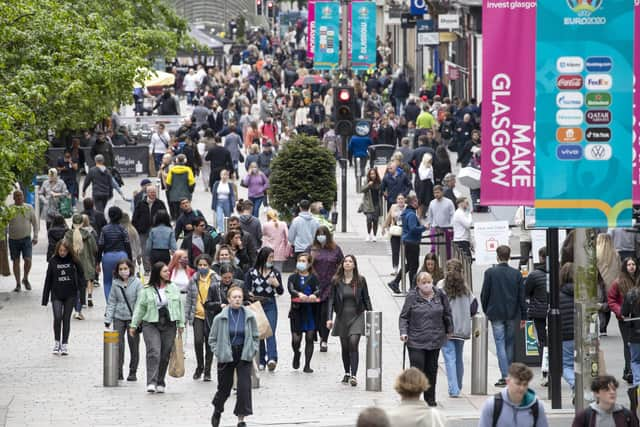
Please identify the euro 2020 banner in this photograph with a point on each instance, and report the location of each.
(326, 53)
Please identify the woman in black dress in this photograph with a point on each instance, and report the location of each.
(304, 315)
(349, 299)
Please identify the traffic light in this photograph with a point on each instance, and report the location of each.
(270, 10)
(344, 98)
(259, 7)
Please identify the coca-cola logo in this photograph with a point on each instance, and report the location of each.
(569, 82)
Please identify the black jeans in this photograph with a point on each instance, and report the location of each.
(225, 383)
(541, 329)
(62, 309)
(412, 261)
(525, 251)
(395, 251)
(625, 332)
(100, 202)
(205, 358)
(427, 362)
(122, 326)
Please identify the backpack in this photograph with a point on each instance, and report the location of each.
(589, 413)
(498, 403)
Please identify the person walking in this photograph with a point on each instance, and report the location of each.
(395, 182)
(275, 235)
(349, 299)
(463, 307)
(143, 219)
(627, 280)
(52, 191)
(159, 144)
(303, 229)
(63, 280)
(101, 181)
(180, 184)
(161, 243)
(516, 405)
(199, 242)
(411, 236)
(412, 411)
(425, 325)
(502, 299)
(631, 309)
(604, 411)
(257, 184)
(84, 249)
(263, 283)
(196, 314)
(370, 205)
(462, 222)
(122, 300)
(608, 263)
(223, 199)
(113, 245)
(440, 218)
(20, 239)
(393, 225)
(304, 316)
(538, 301)
(160, 312)
(234, 342)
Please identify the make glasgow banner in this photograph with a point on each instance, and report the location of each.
(509, 95)
(326, 51)
(311, 27)
(362, 34)
(584, 85)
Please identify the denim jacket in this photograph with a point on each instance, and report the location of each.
(161, 237)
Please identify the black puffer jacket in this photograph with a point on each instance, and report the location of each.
(566, 311)
(631, 308)
(536, 293)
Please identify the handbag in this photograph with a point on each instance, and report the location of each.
(139, 328)
(395, 230)
(264, 328)
(176, 360)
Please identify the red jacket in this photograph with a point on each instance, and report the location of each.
(615, 298)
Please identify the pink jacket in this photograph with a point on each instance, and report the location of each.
(277, 238)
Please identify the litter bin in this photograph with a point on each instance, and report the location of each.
(380, 154)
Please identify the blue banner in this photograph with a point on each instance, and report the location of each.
(362, 34)
(418, 7)
(327, 46)
(584, 84)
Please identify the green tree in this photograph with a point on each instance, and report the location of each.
(66, 64)
(302, 170)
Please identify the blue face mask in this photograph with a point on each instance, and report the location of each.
(268, 264)
(203, 271)
(301, 266)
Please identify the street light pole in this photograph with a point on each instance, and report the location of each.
(554, 326)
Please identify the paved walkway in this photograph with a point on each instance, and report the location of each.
(39, 389)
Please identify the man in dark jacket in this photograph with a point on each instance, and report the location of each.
(537, 300)
(184, 223)
(166, 104)
(143, 216)
(249, 223)
(502, 298)
(412, 110)
(103, 148)
(411, 236)
(400, 92)
(96, 219)
(102, 182)
(198, 242)
(220, 159)
(248, 241)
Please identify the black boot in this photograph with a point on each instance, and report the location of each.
(215, 419)
(132, 376)
(296, 360)
(198, 373)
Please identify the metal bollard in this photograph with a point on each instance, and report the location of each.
(357, 162)
(373, 332)
(111, 364)
(479, 347)
(403, 280)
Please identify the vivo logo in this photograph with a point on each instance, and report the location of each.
(569, 152)
(569, 117)
(570, 64)
(598, 82)
(569, 100)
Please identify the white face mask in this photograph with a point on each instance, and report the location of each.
(426, 287)
(322, 239)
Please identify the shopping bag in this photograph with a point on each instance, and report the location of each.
(264, 328)
(176, 360)
(152, 166)
(66, 210)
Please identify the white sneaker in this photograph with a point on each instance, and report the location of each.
(160, 389)
(373, 238)
(151, 388)
(56, 348)
(64, 350)
(368, 239)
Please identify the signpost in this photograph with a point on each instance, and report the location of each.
(488, 236)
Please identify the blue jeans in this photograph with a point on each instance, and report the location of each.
(568, 372)
(109, 261)
(257, 202)
(503, 335)
(268, 348)
(452, 352)
(222, 210)
(634, 349)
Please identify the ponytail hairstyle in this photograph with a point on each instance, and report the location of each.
(77, 242)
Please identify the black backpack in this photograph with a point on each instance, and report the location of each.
(498, 403)
(589, 413)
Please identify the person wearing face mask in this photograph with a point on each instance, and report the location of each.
(160, 311)
(462, 222)
(349, 299)
(122, 299)
(242, 260)
(411, 236)
(304, 317)
(257, 184)
(224, 257)
(196, 314)
(264, 282)
(393, 224)
(425, 325)
(234, 342)
(326, 256)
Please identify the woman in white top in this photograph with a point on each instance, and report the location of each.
(393, 224)
(223, 199)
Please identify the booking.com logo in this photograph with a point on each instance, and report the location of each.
(584, 7)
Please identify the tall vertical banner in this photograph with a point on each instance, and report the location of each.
(362, 34)
(636, 107)
(326, 51)
(311, 27)
(584, 110)
(507, 114)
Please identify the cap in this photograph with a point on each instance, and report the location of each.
(145, 181)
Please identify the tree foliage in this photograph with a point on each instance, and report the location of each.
(302, 170)
(66, 64)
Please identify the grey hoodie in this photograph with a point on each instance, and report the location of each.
(604, 418)
(302, 231)
(251, 225)
(512, 415)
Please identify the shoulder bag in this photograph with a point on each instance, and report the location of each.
(139, 328)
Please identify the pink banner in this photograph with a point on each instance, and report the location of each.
(311, 28)
(508, 91)
(636, 109)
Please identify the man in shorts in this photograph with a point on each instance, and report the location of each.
(20, 240)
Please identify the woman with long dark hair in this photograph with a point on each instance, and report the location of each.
(264, 282)
(370, 205)
(627, 280)
(431, 266)
(161, 313)
(113, 245)
(349, 299)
